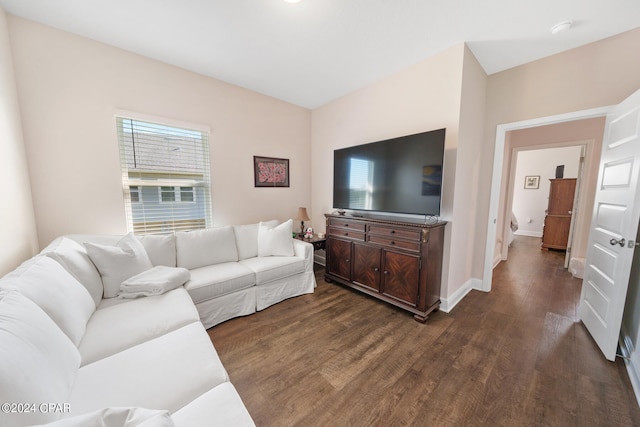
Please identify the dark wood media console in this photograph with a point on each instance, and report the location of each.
(394, 260)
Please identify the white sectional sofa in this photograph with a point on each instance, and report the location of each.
(74, 354)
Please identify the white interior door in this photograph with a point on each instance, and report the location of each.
(614, 225)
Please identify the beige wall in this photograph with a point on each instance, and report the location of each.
(18, 239)
(426, 96)
(69, 89)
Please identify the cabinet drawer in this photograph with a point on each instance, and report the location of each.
(346, 223)
(395, 243)
(396, 232)
(346, 232)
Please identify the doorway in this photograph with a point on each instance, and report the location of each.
(502, 172)
(529, 203)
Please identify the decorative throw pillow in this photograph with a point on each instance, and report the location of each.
(118, 263)
(275, 241)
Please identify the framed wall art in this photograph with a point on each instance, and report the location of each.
(270, 172)
(532, 182)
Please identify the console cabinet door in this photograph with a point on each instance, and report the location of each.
(401, 276)
(366, 266)
(339, 258)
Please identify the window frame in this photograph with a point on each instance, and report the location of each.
(198, 179)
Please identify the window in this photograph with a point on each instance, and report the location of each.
(165, 176)
(176, 194)
(167, 194)
(134, 190)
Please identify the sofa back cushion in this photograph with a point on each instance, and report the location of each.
(38, 362)
(161, 249)
(211, 246)
(56, 292)
(74, 258)
(118, 263)
(247, 238)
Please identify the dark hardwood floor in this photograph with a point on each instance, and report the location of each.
(517, 356)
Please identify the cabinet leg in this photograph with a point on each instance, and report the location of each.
(326, 279)
(419, 318)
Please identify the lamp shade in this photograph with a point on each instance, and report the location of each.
(302, 215)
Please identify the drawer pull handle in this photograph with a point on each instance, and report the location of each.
(346, 225)
(376, 269)
(393, 231)
(346, 234)
(393, 243)
(347, 260)
(386, 272)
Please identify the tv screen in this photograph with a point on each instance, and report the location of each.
(399, 175)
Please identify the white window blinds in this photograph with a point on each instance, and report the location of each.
(165, 176)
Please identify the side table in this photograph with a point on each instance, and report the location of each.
(319, 244)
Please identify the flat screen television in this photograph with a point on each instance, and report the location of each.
(400, 175)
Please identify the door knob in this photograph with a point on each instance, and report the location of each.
(620, 242)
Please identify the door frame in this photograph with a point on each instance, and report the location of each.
(498, 166)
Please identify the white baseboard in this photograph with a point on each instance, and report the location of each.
(447, 304)
(528, 233)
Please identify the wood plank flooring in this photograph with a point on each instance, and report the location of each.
(517, 356)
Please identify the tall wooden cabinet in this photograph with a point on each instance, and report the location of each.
(399, 262)
(557, 222)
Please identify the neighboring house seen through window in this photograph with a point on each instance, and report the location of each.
(165, 176)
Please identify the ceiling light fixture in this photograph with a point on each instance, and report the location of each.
(561, 26)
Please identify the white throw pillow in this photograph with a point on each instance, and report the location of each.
(275, 241)
(74, 258)
(38, 363)
(117, 263)
(201, 248)
(57, 292)
(156, 281)
(247, 238)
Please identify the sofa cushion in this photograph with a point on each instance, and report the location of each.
(200, 248)
(74, 258)
(275, 241)
(166, 373)
(272, 268)
(220, 406)
(38, 362)
(155, 281)
(111, 329)
(247, 238)
(57, 292)
(161, 249)
(220, 279)
(117, 263)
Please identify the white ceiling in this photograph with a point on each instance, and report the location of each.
(315, 51)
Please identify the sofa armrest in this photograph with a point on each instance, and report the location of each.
(304, 250)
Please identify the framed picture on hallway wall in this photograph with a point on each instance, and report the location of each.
(532, 182)
(270, 172)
